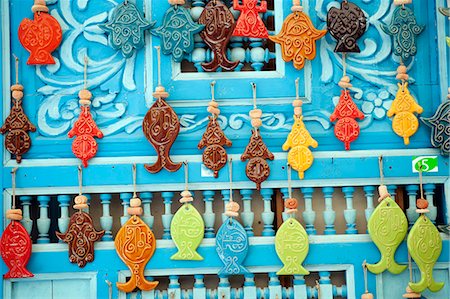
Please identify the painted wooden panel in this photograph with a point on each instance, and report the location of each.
(31, 289)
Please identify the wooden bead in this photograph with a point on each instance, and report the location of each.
(410, 294)
(383, 192)
(84, 102)
(402, 77)
(160, 92)
(256, 122)
(177, 2)
(16, 87)
(186, 199)
(39, 6)
(232, 206)
(213, 110)
(422, 203)
(135, 211)
(213, 104)
(255, 113)
(291, 203)
(345, 82)
(79, 199)
(14, 212)
(298, 111)
(422, 211)
(402, 2)
(402, 69)
(17, 94)
(186, 193)
(135, 202)
(297, 103)
(80, 206)
(85, 94)
(367, 296)
(14, 217)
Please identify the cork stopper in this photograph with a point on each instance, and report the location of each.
(186, 197)
(85, 97)
(232, 209)
(297, 107)
(402, 73)
(367, 296)
(39, 6)
(345, 82)
(80, 202)
(177, 2)
(17, 91)
(160, 93)
(383, 192)
(411, 294)
(213, 108)
(400, 3)
(291, 205)
(14, 214)
(135, 207)
(255, 116)
(296, 6)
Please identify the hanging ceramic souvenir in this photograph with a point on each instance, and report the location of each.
(17, 125)
(425, 247)
(135, 244)
(15, 243)
(187, 227)
(300, 156)
(84, 146)
(291, 239)
(177, 31)
(346, 24)
(214, 156)
(81, 234)
(404, 30)
(40, 36)
(257, 169)
(440, 127)
(249, 23)
(126, 28)
(219, 25)
(161, 127)
(298, 37)
(231, 240)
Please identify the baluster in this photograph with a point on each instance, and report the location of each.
(249, 286)
(340, 291)
(106, 220)
(209, 217)
(369, 192)
(237, 52)
(392, 189)
(285, 193)
(247, 215)
(226, 200)
(300, 291)
(147, 217)
(267, 215)
(326, 288)
(429, 195)
(43, 222)
(274, 286)
(329, 215)
(199, 287)
(63, 221)
(262, 293)
(411, 190)
(223, 290)
(149, 294)
(167, 216)
(350, 212)
(174, 290)
(125, 197)
(26, 220)
(309, 215)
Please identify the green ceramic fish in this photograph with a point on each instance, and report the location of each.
(292, 246)
(187, 229)
(425, 246)
(387, 227)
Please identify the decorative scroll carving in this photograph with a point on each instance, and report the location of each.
(346, 128)
(346, 25)
(40, 37)
(256, 152)
(135, 245)
(404, 30)
(214, 156)
(250, 23)
(126, 29)
(17, 125)
(177, 32)
(81, 236)
(219, 25)
(440, 127)
(15, 248)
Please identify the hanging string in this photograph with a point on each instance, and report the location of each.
(380, 166)
(85, 71)
(230, 168)
(213, 83)
(186, 175)
(134, 181)
(254, 94)
(80, 180)
(289, 180)
(17, 68)
(421, 181)
(297, 89)
(364, 265)
(318, 289)
(344, 65)
(158, 51)
(410, 268)
(13, 178)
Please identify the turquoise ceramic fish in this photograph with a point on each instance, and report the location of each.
(425, 246)
(387, 227)
(292, 246)
(232, 247)
(187, 229)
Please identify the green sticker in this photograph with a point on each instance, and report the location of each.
(426, 163)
